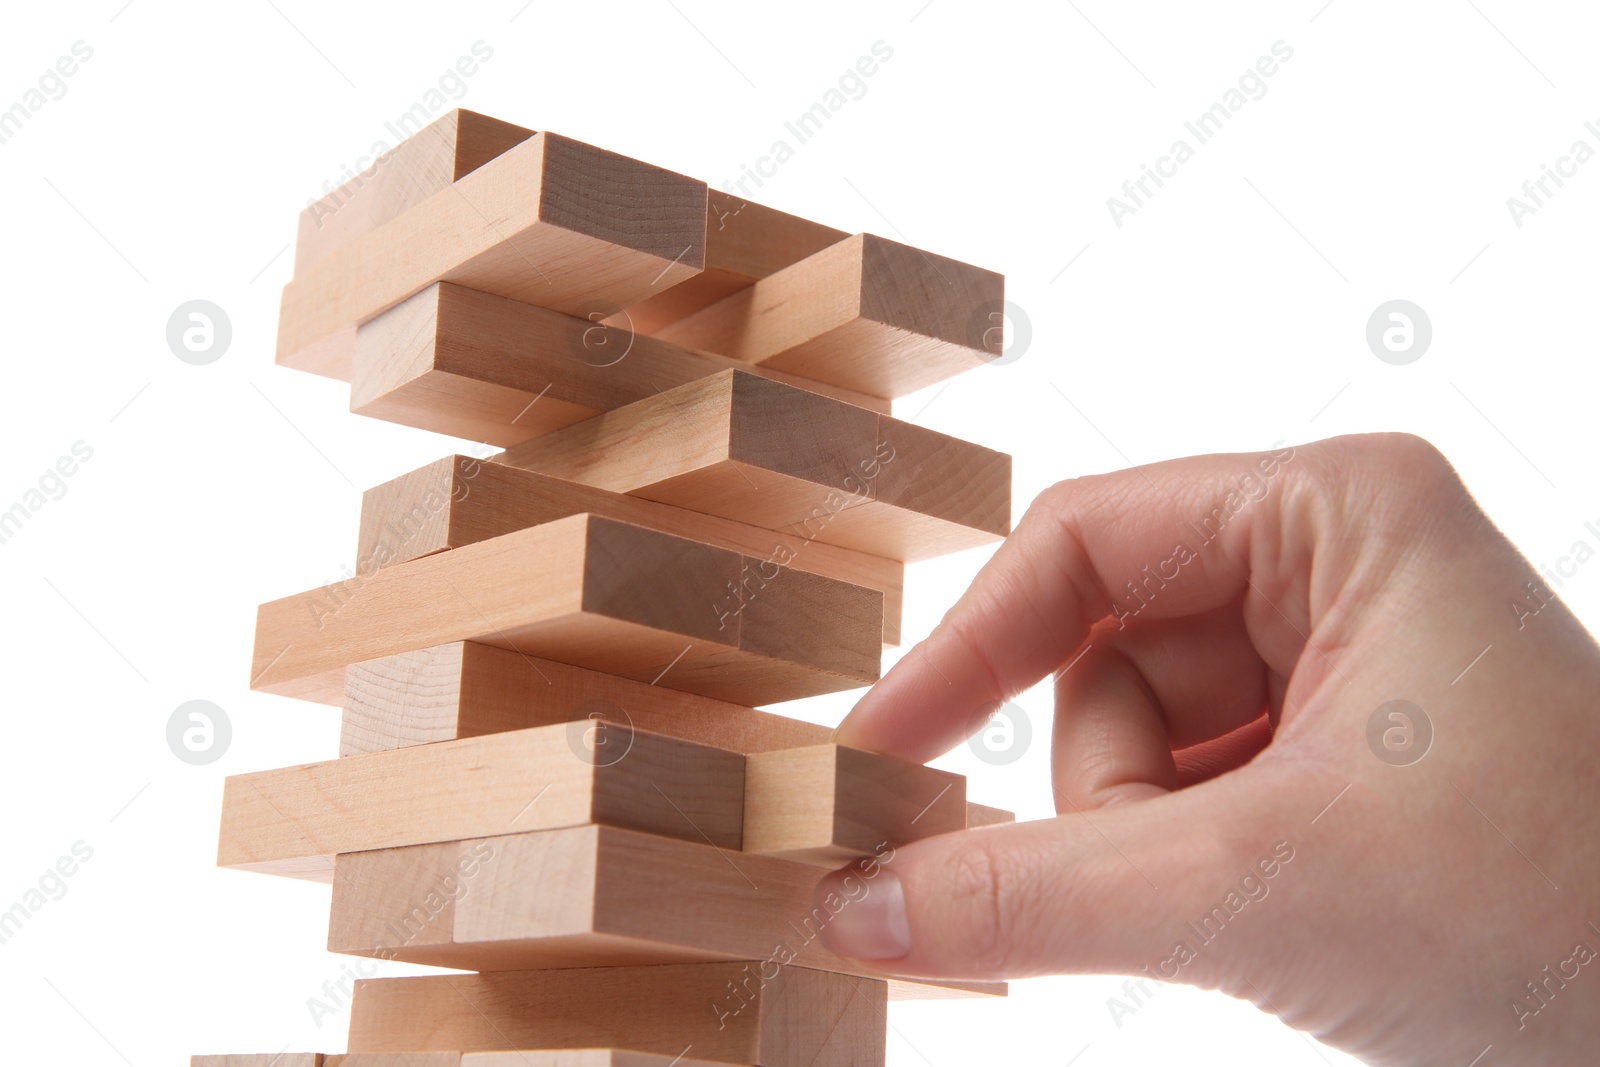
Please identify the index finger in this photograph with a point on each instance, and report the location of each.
(1165, 540)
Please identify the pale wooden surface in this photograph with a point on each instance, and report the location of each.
(866, 313)
(415, 698)
(604, 897)
(332, 1059)
(461, 500)
(400, 903)
(745, 242)
(453, 145)
(551, 221)
(592, 1057)
(926, 499)
(801, 1018)
(767, 454)
(486, 368)
(731, 445)
(292, 821)
(414, 515)
(980, 815)
(466, 689)
(591, 592)
(827, 804)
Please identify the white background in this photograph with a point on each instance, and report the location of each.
(1226, 314)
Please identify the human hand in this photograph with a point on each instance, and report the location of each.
(1223, 631)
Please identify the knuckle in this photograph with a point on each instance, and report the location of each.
(1393, 460)
(1409, 445)
(988, 899)
(1393, 478)
(1055, 497)
(1405, 454)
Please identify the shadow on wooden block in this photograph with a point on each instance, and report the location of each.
(608, 596)
(827, 805)
(760, 452)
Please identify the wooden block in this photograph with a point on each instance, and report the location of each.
(587, 1057)
(590, 1057)
(460, 501)
(745, 242)
(767, 454)
(799, 634)
(982, 815)
(721, 1012)
(294, 820)
(588, 591)
(454, 145)
(866, 313)
(552, 221)
(827, 805)
(486, 368)
(466, 689)
(731, 445)
(934, 494)
(335, 1059)
(606, 897)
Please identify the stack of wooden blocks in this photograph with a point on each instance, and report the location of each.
(551, 772)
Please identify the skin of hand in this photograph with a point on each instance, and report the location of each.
(1238, 807)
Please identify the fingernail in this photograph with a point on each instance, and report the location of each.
(867, 916)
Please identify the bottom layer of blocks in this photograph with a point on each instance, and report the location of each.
(681, 1015)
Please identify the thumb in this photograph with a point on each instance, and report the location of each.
(1136, 888)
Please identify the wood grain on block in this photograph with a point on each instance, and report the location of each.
(827, 804)
(294, 820)
(723, 1012)
(865, 313)
(745, 242)
(461, 500)
(487, 368)
(979, 815)
(797, 631)
(452, 146)
(465, 689)
(552, 221)
(604, 897)
(768, 454)
(732, 444)
(589, 591)
(933, 494)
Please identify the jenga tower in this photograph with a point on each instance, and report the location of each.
(551, 771)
